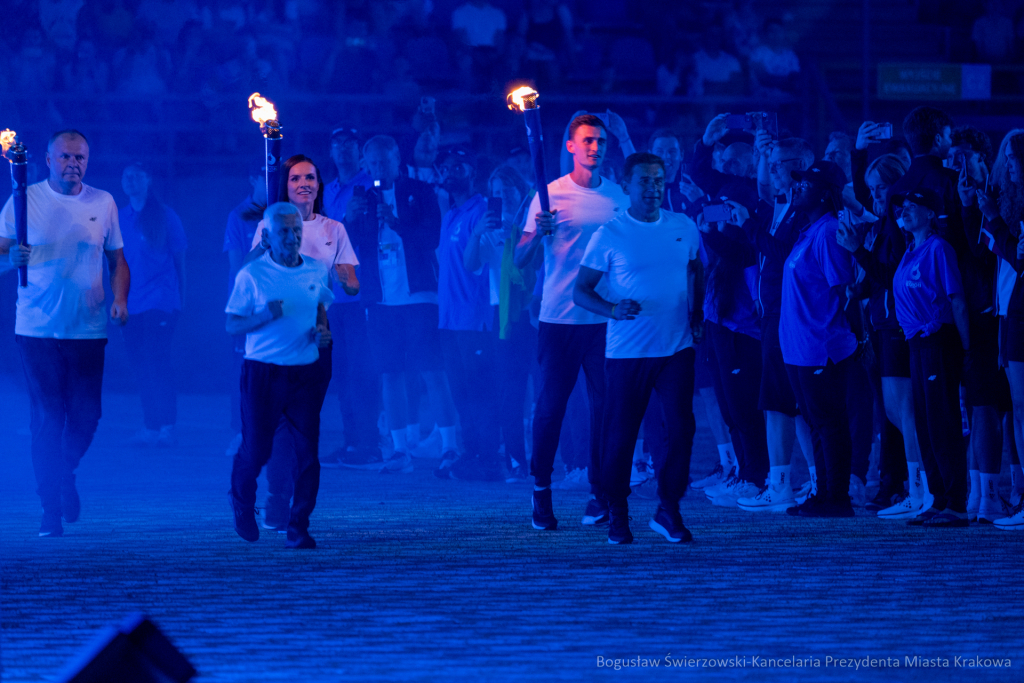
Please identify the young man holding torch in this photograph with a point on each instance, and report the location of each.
(61, 326)
(569, 336)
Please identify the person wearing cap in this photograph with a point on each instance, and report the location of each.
(569, 336)
(734, 340)
(932, 311)
(648, 263)
(466, 321)
(355, 373)
(154, 246)
(815, 336)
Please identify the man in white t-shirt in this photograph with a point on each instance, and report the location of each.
(570, 337)
(648, 261)
(61, 325)
(279, 303)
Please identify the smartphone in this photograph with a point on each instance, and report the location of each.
(494, 206)
(717, 213)
(884, 131)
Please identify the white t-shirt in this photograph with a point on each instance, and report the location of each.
(68, 233)
(323, 239)
(289, 339)
(648, 263)
(579, 212)
(479, 23)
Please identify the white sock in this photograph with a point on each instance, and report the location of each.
(915, 479)
(779, 475)
(412, 432)
(448, 441)
(989, 486)
(1016, 477)
(541, 488)
(398, 437)
(727, 456)
(975, 483)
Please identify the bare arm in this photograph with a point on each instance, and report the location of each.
(471, 258)
(585, 296)
(120, 281)
(12, 254)
(695, 285)
(244, 324)
(179, 267)
(530, 245)
(347, 277)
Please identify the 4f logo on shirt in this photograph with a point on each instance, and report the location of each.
(92, 218)
(328, 243)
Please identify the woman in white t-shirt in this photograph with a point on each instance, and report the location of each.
(326, 241)
(323, 238)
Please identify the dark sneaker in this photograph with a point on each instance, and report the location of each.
(670, 525)
(543, 515)
(618, 528)
(353, 459)
(398, 463)
(517, 474)
(299, 541)
(70, 504)
(807, 508)
(947, 519)
(51, 526)
(276, 513)
(596, 513)
(245, 520)
(884, 500)
(832, 508)
(444, 470)
(923, 517)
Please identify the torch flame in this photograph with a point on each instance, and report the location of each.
(7, 138)
(522, 98)
(262, 109)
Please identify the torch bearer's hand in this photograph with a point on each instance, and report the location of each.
(119, 312)
(627, 309)
(546, 222)
(20, 254)
(321, 335)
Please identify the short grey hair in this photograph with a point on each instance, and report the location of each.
(277, 211)
(384, 143)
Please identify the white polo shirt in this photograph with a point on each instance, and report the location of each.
(289, 339)
(579, 212)
(69, 235)
(648, 263)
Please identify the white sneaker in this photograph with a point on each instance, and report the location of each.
(712, 491)
(801, 494)
(716, 477)
(573, 481)
(973, 503)
(399, 462)
(769, 499)
(858, 492)
(991, 508)
(1015, 522)
(727, 497)
(641, 472)
(907, 508)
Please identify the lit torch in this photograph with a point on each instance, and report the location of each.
(263, 113)
(524, 99)
(14, 151)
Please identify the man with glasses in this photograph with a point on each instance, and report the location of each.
(355, 374)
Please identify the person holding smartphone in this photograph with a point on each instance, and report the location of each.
(467, 325)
